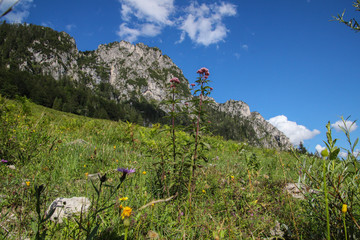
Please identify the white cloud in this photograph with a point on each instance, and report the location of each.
(156, 11)
(245, 47)
(131, 34)
(356, 154)
(69, 27)
(340, 124)
(319, 148)
(20, 10)
(296, 133)
(151, 16)
(203, 23)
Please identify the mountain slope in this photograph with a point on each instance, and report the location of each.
(118, 72)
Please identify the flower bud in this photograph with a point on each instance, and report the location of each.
(324, 153)
(127, 222)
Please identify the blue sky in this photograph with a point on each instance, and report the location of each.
(285, 58)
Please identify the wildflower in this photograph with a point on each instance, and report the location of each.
(126, 212)
(4, 161)
(86, 175)
(144, 172)
(114, 147)
(203, 191)
(175, 80)
(344, 208)
(203, 71)
(126, 170)
(84, 165)
(232, 177)
(123, 199)
(27, 183)
(121, 206)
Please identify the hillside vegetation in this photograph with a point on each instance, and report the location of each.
(117, 81)
(236, 191)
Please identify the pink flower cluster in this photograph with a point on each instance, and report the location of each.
(204, 71)
(175, 80)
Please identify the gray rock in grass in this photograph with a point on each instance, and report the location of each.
(67, 207)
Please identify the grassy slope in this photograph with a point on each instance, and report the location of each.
(232, 198)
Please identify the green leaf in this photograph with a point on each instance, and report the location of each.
(97, 191)
(93, 232)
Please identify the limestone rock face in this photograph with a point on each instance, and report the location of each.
(266, 134)
(133, 70)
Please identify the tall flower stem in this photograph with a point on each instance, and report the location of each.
(324, 154)
(197, 129)
(173, 124)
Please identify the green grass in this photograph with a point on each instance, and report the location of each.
(233, 197)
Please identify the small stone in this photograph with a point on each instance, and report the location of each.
(11, 167)
(66, 207)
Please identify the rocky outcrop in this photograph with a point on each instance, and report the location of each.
(264, 132)
(134, 70)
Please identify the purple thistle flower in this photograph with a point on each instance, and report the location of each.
(126, 170)
(4, 161)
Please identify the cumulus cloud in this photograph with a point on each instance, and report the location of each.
(356, 154)
(319, 148)
(245, 47)
(156, 11)
(351, 126)
(20, 10)
(203, 23)
(151, 16)
(131, 34)
(296, 133)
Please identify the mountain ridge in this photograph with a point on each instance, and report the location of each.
(131, 71)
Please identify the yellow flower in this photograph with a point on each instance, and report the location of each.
(126, 212)
(114, 147)
(344, 208)
(27, 183)
(123, 199)
(203, 191)
(117, 160)
(144, 172)
(84, 165)
(86, 175)
(121, 207)
(232, 177)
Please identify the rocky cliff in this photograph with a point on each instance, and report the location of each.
(264, 133)
(135, 71)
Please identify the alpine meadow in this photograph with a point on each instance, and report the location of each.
(117, 143)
